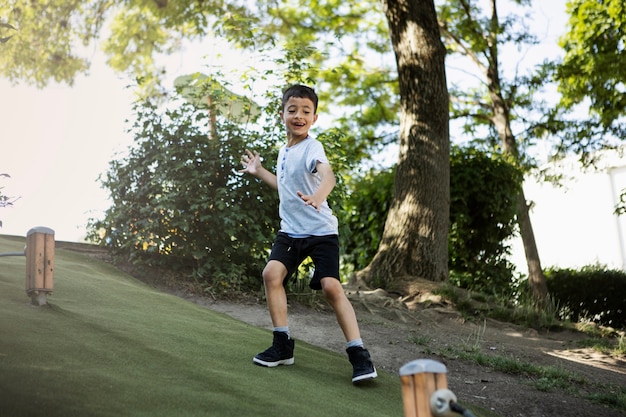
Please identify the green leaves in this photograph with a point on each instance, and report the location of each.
(483, 188)
(364, 213)
(604, 304)
(483, 191)
(595, 58)
(47, 43)
(179, 202)
(43, 47)
(6, 26)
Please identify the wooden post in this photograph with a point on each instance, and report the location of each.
(39, 264)
(420, 379)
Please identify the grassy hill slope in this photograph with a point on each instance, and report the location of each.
(109, 345)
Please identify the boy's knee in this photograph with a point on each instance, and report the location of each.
(331, 288)
(269, 278)
(274, 274)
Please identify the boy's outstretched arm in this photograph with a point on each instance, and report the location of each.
(252, 165)
(323, 191)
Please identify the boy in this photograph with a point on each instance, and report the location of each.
(308, 227)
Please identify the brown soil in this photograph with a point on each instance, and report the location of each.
(396, 335)
(398, 332)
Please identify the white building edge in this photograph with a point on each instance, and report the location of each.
(575, 224)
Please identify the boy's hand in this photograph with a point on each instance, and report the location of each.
(310, 200)
(251, 163)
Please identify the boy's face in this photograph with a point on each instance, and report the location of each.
(298, 115)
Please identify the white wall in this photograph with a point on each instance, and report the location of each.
(574, 224)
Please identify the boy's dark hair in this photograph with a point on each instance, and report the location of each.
(300, 91)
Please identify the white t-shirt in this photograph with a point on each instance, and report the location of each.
(295, 171)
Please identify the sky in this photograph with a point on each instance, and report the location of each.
(56, 141)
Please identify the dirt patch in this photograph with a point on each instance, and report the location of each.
(396, 335)
(398, 332)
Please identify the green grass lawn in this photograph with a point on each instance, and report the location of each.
(109, 345)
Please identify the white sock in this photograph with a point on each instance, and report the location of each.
(354, 343)
(284, 329)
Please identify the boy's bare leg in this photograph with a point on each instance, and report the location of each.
(362, 366)
(281, 351)
(273, 276)
(333, 291)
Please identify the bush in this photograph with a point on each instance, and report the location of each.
(482, 218)
(483, 192)
(591, 293)
(180, 204)
(364, 214)
(178, 201)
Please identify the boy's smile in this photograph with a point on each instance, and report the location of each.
(298, 115)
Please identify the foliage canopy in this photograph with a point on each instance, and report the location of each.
(595, 58)
(483, 187)
(179, 201)
(348, 52)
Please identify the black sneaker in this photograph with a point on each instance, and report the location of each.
(361, 363)
(280, 353)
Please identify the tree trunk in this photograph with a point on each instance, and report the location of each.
(502, 123)
(415, 240)
(536, 278)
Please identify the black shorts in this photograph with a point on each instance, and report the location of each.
(323, 250)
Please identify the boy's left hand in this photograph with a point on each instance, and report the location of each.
(310, 200)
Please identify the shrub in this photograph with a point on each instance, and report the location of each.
(180, 204)
(178, 201)
(364, 214)
(483, 192)
(592, 292)
(482, 217)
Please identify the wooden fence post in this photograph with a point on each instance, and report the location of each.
(420, 379)
(39, 264)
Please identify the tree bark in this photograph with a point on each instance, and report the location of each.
(536, 277)
(415, 240)
(502, 121)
